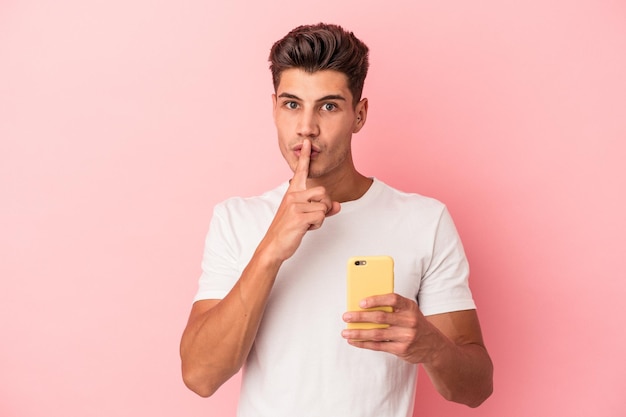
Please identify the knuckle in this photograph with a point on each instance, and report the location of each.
(319, 192)
(412, 322)
(316, 217)
(379, 317)
(378, 334)
(315, 221)
(396, 298)
(403, 349)
(408, 336)
(355, 317)
(292, 208)
(290, 197)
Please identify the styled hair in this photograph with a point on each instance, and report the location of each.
(322, 47)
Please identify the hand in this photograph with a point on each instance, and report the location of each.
(300, 210)
(409, 335)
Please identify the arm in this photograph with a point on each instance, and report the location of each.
(220, 333)
(462, 371)
(449, 346)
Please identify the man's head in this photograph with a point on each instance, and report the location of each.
(322, 47)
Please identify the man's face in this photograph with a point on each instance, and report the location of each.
(317, 106)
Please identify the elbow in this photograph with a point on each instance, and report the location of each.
(202, 390)
(481, 398)
(199, 384)
(479, 394)
(471, 399)
(472, 393)
(487, 388)
(482, 387)
(205, 381)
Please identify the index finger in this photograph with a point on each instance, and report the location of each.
(301, 173)
(393, 300)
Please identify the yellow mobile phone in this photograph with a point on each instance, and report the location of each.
(367, 276)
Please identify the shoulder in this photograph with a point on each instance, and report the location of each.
(404, 200)
(239, 218)
(256, 205)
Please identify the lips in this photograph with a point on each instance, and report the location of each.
(314, 150)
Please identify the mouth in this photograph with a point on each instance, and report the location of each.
(315, 150)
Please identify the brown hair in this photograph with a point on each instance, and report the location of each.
(322, 47)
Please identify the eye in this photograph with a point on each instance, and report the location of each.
(291, 105)
(329, 106)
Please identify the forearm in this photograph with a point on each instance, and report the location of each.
(216, 342)
(461, 373)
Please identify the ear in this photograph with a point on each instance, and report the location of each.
(274, 101)
(361, 115)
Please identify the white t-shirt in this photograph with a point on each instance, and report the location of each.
(299, 364)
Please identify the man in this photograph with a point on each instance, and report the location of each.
(272, 292)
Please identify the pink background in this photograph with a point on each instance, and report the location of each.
(123, 122)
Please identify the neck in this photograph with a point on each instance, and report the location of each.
(342, 188)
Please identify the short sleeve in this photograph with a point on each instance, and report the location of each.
(220, 270)
(445, 284)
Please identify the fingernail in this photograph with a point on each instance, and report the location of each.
(347, 317)
(363, 303)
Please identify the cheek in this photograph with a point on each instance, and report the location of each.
(283, 120)
(343, 136)
(288, 156)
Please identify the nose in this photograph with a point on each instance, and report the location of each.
(308, 125)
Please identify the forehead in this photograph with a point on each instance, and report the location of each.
(313, 85)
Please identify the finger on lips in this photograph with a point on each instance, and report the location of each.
(301, 172)
(298, 184)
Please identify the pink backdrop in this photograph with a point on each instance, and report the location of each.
(123, 122)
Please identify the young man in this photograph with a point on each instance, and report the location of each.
(272, 293)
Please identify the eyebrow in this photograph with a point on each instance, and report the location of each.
(325, 98)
